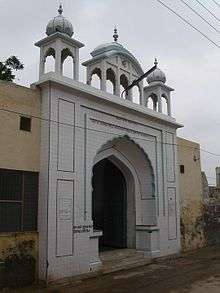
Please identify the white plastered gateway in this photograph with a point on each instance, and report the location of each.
(108, 165)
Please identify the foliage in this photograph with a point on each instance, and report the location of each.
(7, 67)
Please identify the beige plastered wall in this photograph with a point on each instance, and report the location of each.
(19, 150)
(191, 202)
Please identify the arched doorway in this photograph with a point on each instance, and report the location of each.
(132, 169)
(109, 204)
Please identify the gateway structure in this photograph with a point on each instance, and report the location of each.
(108, 173)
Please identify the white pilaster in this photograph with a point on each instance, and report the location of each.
(117, 83)
(76, 65)
(58, 62)
(168, 106)
(42, 63)
(103, 77)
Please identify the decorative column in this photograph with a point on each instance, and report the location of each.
(58, 63)
(76, 64)
(168, 106)
(117, 83)
(61, 65)
(42, 63)
(88, 76)
(103, 77)
(159, 100)
(129, 96)
(141, 90)
(155, 104)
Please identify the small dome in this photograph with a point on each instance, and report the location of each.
(156, 76)
(59, 24)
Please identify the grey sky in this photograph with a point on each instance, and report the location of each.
(148, 30)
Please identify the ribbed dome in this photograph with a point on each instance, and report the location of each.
(108, 49)
(156, 76)
(59, 24)
(114, 49)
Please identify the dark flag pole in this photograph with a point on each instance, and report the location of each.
(136, 81)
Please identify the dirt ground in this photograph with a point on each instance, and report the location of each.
(196, 272)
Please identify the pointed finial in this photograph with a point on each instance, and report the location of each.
(60, 10)
(155, 62)
(115, 36)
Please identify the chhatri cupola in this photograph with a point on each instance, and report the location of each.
(113, 62)
(157, 92)
(59, 24)
(59, 44)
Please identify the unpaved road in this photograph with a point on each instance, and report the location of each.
(197, 272)
(211, 285)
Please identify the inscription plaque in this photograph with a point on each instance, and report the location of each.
(65, 209)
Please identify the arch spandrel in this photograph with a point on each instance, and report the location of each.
(49, 52)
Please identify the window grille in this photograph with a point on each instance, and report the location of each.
(18, 200)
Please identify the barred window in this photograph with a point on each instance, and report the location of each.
(18, 200)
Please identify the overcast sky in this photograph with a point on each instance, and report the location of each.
(148, 30)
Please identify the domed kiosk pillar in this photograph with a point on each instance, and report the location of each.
(158, 92)
(59, 44)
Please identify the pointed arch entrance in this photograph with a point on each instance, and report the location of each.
(122, 177)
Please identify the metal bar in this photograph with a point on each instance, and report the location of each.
(136, 81)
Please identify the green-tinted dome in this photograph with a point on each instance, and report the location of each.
(114, 48)
(107, 47)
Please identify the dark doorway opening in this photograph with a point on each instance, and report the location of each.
(109, 208)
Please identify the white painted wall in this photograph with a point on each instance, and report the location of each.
(82, 121)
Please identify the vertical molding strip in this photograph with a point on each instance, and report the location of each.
(85, 163)
(163, 150)
(48, 182)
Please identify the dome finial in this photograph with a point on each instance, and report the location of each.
(155, 62)
(115, 36)
(60, 10)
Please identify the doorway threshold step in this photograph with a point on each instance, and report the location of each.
(122, 259)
